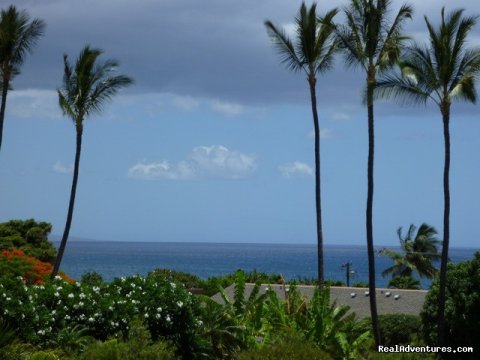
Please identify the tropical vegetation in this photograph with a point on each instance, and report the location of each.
(45, 314)
(372, 41)
(443, 72)
(312, 53)
(30, 236)
(462, 310)
(18, 37)
(418, 254)
(85, 89)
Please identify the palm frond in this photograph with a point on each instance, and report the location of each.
(284, 47)
(400, 89)
(89, 84)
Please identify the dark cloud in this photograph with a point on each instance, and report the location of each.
(211, 49)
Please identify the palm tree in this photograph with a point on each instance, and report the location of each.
(373, 42)
(18, 36)
(442, 72)
(84, 91)
(312, 52)
(418, 253)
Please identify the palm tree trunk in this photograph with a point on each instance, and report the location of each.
(5, 84)
(446, 227)
(369, 210)
(321, 280)
(61, 249)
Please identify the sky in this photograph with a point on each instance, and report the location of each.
(214, 141)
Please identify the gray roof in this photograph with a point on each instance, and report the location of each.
(389, 301)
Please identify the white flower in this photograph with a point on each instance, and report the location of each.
(71, 296)
(179, 304)
(173, 285)
(54, 312)
(146, 316)
(96, 289)
(91, 320)
(159, 309)
(56, 294)
(41, 332)
(82, 296)
(168, 318)
(59, 288)
(67, 317)
(110, 308)
(158, 316)
(58, 277)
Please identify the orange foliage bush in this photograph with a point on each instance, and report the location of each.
(32, 270)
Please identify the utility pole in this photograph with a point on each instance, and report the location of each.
(347, 267)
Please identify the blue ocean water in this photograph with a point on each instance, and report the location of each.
(294, 261)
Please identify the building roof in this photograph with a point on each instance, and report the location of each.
(389, 301)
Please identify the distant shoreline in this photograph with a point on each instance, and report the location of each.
(57, 238)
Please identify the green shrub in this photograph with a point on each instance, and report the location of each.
(399, 329)
(43, 355)
(188, 280)
(30, 236)
(167, 309)
(91, 278)
(286, 349)
(462, 308)
(116, 350)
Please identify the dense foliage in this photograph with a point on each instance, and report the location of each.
(399, 329)
(462, 310)
(42, 311)
(29, 236)
(14, 263)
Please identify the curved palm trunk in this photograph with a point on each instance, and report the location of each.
(369, 212)
(446, 227)
(5, 84)
(312, 82)
(61, 249)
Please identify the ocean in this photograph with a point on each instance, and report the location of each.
(294, 261)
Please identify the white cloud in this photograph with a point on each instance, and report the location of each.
(33, 103)
(324, 134)
(203, 162)
(295, 169)
(227, 108)
(60, 168)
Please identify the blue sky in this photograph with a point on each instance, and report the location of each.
(214, 142)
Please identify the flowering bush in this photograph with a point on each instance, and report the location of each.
(106, 310)
(33, 271)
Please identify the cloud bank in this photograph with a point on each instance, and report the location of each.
(214, 161)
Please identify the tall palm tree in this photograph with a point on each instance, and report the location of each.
(373, 42)
(442, 72)
(418, 253)
(311, 52)
(85, 89)
(18, 36)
